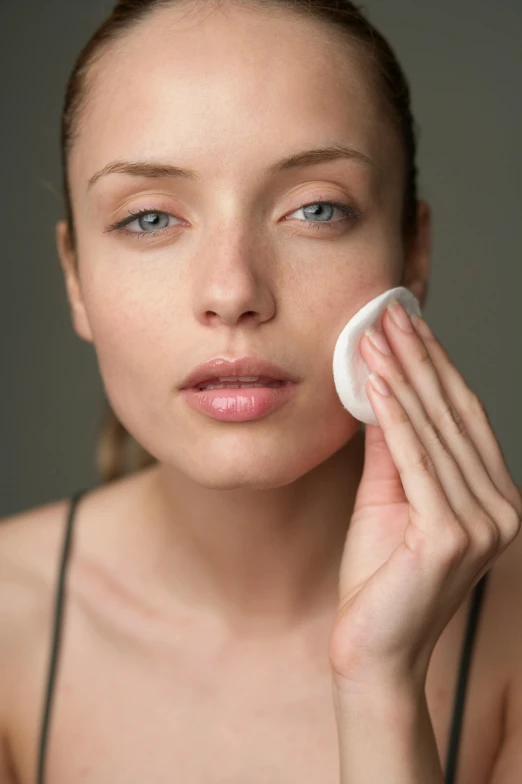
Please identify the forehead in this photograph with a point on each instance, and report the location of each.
(227, 90)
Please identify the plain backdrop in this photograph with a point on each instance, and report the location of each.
(464, 64)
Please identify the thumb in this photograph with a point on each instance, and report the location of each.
(380, 480)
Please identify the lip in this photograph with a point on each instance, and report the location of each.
(240, 405)
(242, 366)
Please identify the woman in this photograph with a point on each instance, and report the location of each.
(275, 594)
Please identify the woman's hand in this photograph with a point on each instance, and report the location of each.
(435, 507)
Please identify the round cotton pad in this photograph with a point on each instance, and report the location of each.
(349, 368)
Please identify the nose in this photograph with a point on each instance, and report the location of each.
(233, 286)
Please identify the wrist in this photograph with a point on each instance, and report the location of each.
(386, 735)
(389, 700)
(408, 678)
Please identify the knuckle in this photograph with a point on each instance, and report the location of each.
(457, 543)
(489, 539)
(518, 502)
(399, 377)
(450, 417)
(423, 462)
(515, 500)
(511, 518)
(423, 356)
(517, 506)
(432, 434)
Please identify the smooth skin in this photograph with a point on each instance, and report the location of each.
(220, 565)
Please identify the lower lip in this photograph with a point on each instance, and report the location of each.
(239, 405)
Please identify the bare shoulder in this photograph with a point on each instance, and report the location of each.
(31, 547)
(29, 541)
(22, 537)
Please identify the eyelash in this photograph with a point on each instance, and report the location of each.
(119, 226)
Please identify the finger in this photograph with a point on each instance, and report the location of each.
(443, 408)
(420, 477)
(474, 416)
(428, 448)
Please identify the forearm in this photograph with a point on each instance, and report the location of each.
(386, 735)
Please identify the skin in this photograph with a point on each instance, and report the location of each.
(231, 275)
(202, 591)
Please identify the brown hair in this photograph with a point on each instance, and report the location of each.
(114, 442)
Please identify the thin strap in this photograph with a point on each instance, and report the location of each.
(57, 629)
(460, 697)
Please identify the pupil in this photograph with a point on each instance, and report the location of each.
(151, 218)
(316, 208)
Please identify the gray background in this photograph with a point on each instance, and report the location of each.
(463, 61)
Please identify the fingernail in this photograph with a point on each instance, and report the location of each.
(380, 384)
(378, 340)
(399, 315)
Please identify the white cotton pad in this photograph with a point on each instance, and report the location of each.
(349, 368)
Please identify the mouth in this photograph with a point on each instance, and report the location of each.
(235, 383)
(241, 399)
(236, 373)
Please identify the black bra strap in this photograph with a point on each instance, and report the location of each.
(460, 697)
(57, 629)
(451, 764)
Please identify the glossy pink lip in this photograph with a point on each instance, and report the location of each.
(239, 405)
(243, 366)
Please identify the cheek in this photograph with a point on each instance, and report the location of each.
(348, 283)
(134, 333)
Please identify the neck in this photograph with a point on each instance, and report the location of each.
(258, 561)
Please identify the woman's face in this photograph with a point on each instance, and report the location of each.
(230, 264)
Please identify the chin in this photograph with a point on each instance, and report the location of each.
(254, 462)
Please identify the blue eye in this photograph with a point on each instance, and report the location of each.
(348, 211)
(156, 216)
(147, 212)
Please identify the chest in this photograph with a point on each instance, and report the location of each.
(130, 713)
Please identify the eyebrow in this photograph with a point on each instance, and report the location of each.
(154, 169)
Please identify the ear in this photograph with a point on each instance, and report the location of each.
(416, 268)
(72, 283)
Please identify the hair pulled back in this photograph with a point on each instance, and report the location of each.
(117, 450)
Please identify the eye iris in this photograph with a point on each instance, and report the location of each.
(316, 208)
(150, 219)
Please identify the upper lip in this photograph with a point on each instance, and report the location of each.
(243, 366)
